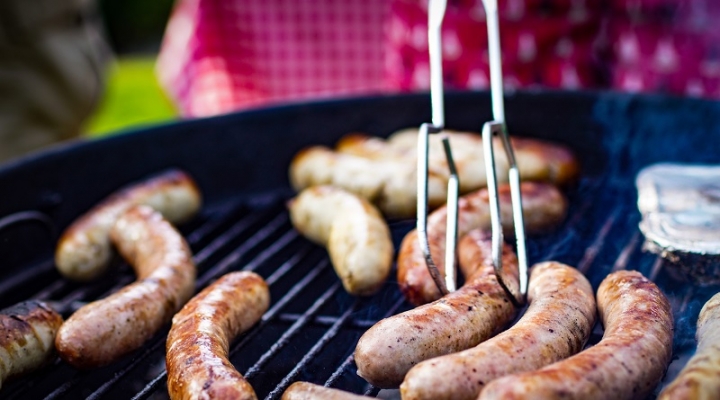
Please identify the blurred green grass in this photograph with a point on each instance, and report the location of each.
(132, 98)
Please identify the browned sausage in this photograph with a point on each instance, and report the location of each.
(543, 207)
(556, 325)
(309, 391)
(700, 377)
(27, 334)
(627, 363)
(103, 331)
(84, 250)
(198, 342)
(458, 321)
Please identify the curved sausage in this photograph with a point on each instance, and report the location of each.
(458, 321)
(390, 184)
(105, 330)
(627, 363)
(309, 391)
(84, 250)
(557, 324)
(355, 234)
(543, 207)
(198, 343)
(27, 334)
(385, 171)
(699, 378)
(537, 160)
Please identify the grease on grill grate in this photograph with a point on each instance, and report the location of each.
(310, 331)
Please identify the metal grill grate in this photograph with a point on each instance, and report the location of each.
(311, 329)
(312, 326)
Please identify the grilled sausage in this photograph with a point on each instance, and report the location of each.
(84, 250)
(385, 172)
(556, 325)
(699, 378)
(354, 232)
(27, 333)
(537, 160)
(102, 331)
(390, 184)
(456, 322)
(627, 363)
(309, 391)
(543, 207)
(198, 342)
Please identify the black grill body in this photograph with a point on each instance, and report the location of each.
(240, 162)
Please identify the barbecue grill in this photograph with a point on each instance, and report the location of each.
(240, 163)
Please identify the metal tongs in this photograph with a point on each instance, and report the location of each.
(436, 12)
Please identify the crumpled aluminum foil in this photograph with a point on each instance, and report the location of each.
(680, 207)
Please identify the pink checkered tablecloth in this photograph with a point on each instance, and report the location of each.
(223, 55)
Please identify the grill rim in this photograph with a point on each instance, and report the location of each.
(605, 178)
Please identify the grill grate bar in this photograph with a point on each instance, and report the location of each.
(682, 305)
(49, 291)
(239, 228)
(62, 389)
(571, 224)
(319, 345)
(294, 329)
(624, 256)
(227, 262)
(592, 251)
(657, 265)
(326, 320)
(270, 314)
(273, 249)
(151, 387)
(214, 222)
(24, 276)
(30, 382)
(302, 284)
(287, 266)
(127, 369)
(351, 358)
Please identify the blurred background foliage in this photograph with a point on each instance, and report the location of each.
(132, 95)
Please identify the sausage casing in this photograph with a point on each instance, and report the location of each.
(309, 391)
(385, 171)
(627, 363)
(557, 324)
(198, 343)
(543, 207)
(104, 330)
(27, 334)
(390, 184)
(355, 234)
(458, 321)
(84, 249)
(537, 160)
(699, 378)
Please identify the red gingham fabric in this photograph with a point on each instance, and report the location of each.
(222, 55)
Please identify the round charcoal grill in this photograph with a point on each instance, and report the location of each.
(240, 162)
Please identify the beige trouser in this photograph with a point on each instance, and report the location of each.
(52, 59)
